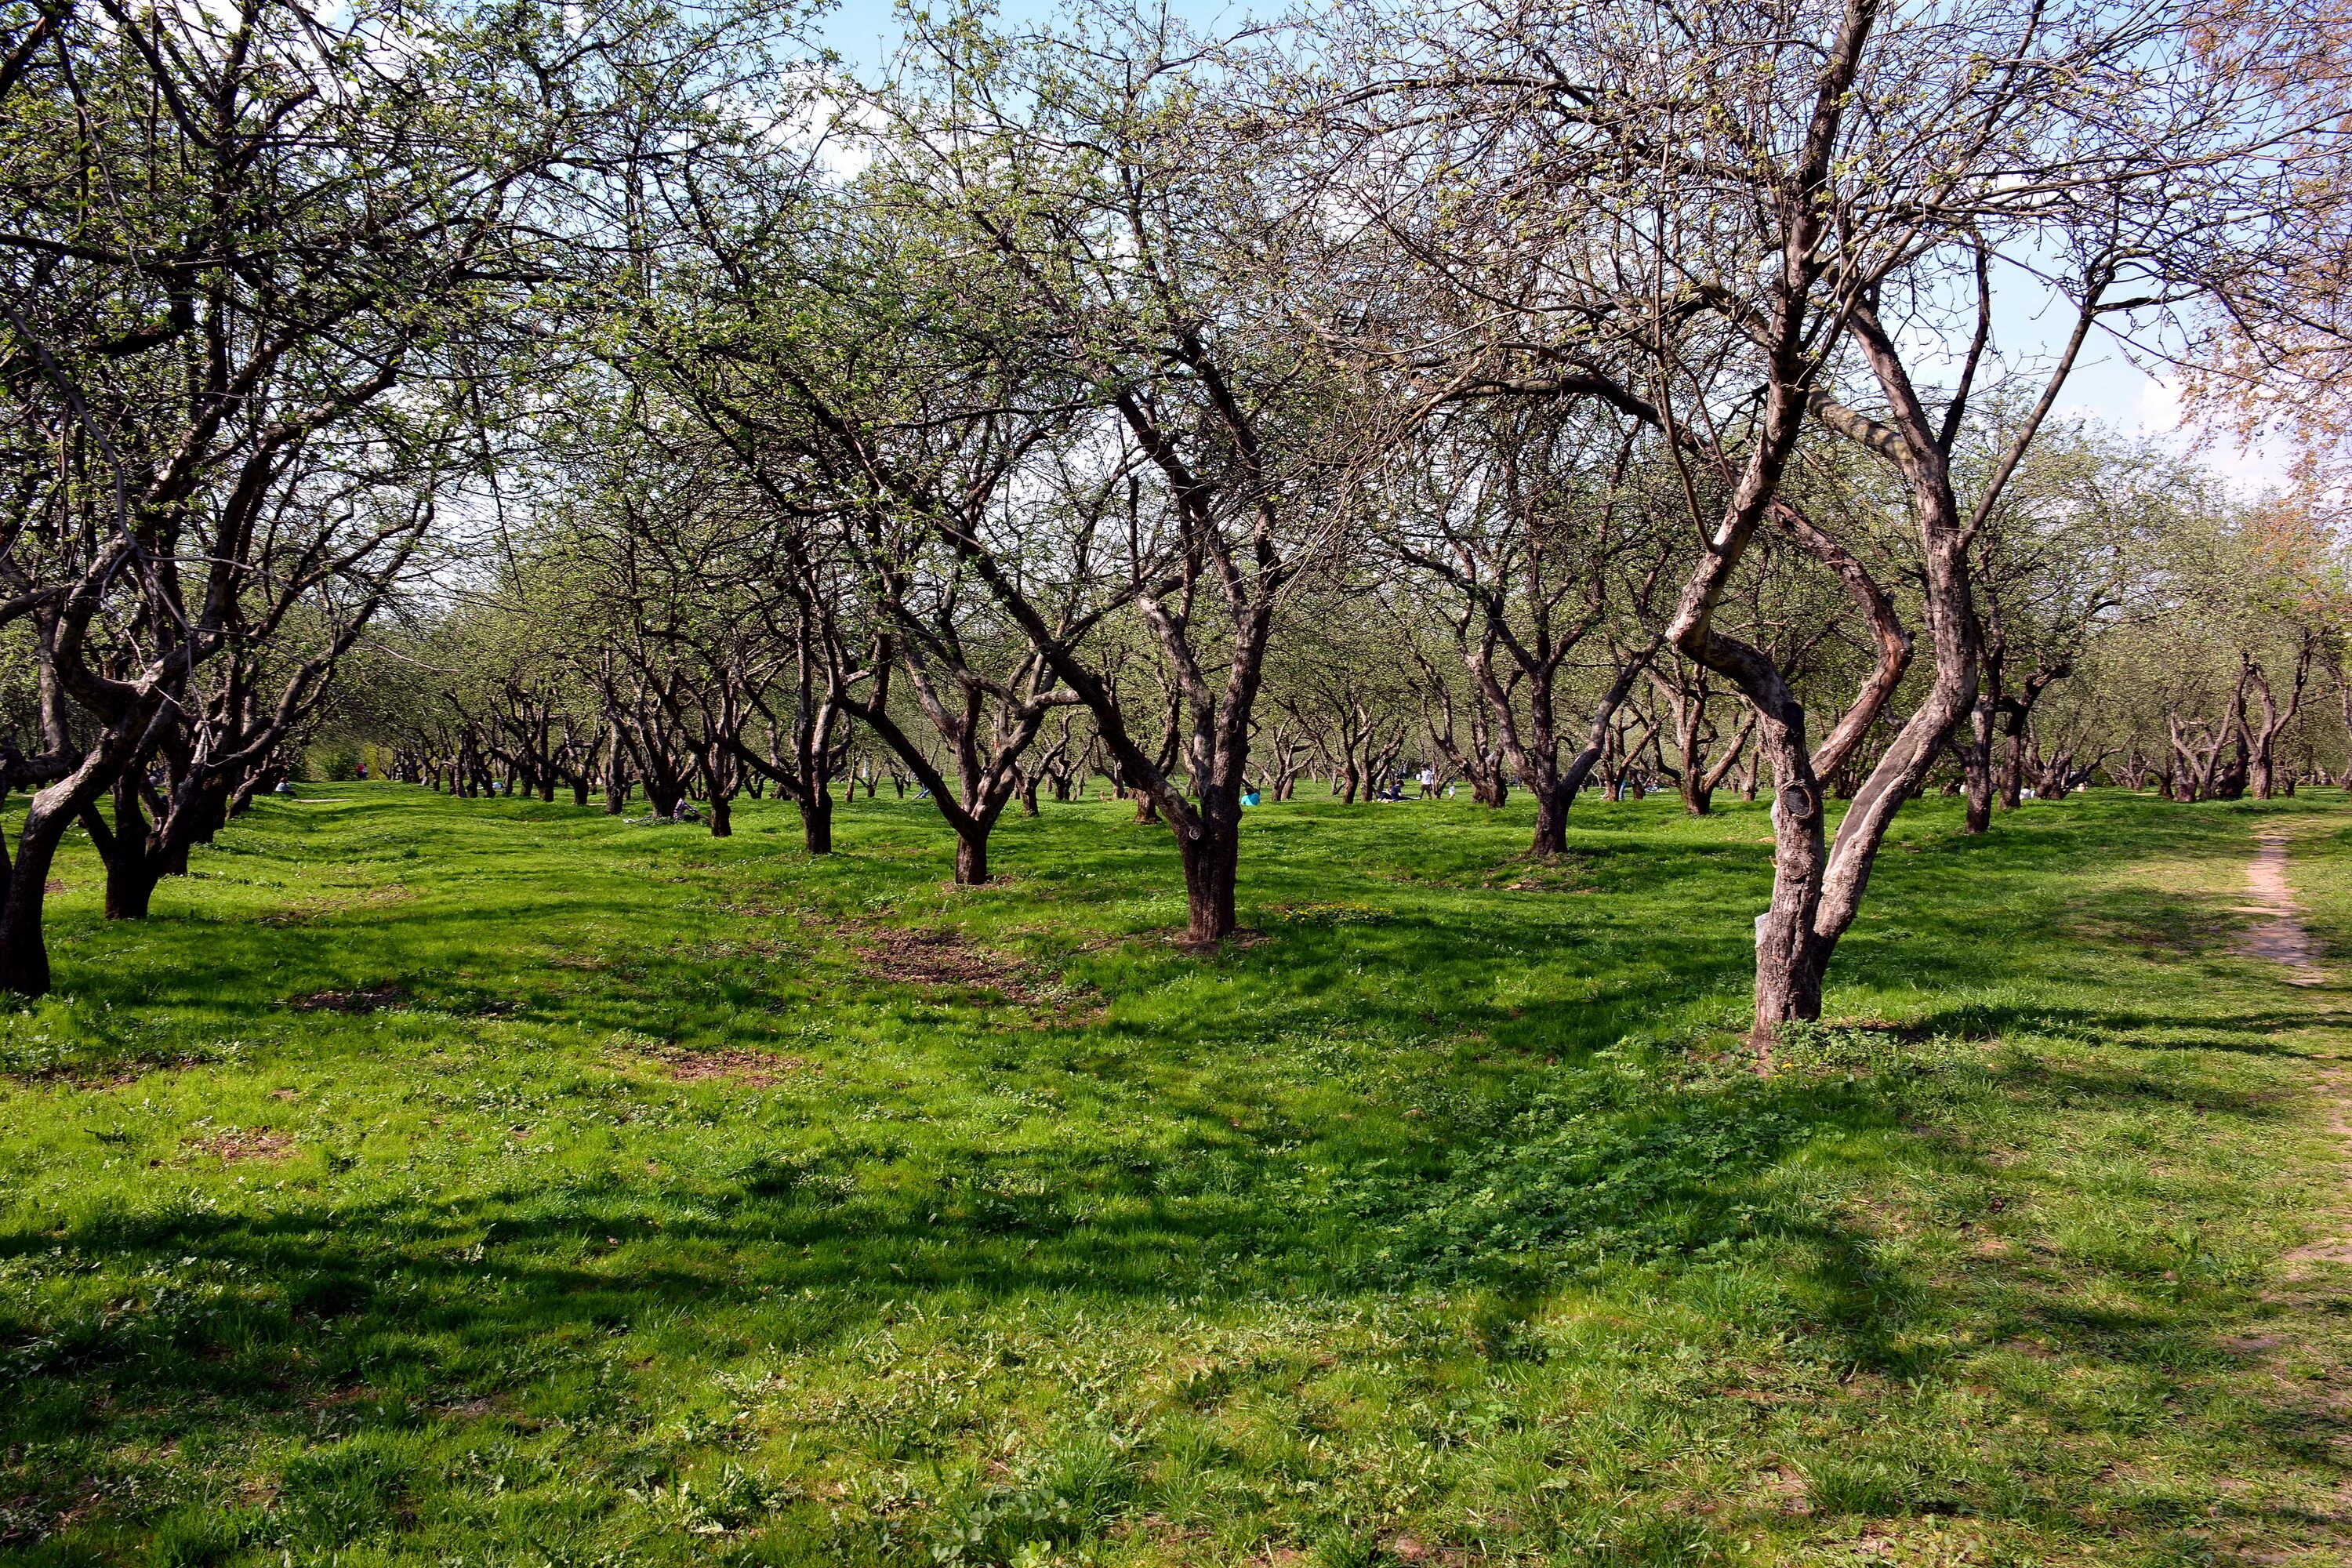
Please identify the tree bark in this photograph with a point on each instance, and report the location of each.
(1212, 857)
(24, 947)
(617, 771)
(1551, 825)
(1975, 768)
(132, 871)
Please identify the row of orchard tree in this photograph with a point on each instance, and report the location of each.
(273, 283)
(624, 402)
(2143, 628)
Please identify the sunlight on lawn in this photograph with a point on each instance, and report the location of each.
(488, 1180)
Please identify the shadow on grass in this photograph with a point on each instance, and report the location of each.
(511, 1295)
(1458, 1089)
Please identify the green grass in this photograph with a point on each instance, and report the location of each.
(697, 1202)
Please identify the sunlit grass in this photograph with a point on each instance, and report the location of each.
(490, 1181)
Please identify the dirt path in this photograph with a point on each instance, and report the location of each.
(2279, 935)
(2296, 1347)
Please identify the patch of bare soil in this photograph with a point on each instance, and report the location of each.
(1240, 940)
(939, 958)
(1784, 1492)
(756, 1070)
(374, 999)
(947, 960)
(303, 911)
(238, 1144)
(101, 1081)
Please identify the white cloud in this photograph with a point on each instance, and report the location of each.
(2160, 411)
(2158, 405)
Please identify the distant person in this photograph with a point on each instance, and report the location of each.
(362, 772)
(1428, 783)
(1249, 796)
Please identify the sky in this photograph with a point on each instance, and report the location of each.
(2106, 386)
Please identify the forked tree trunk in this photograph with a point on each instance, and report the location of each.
(2230, 782)
(24, 947)
(135, 863)
(988, 774)
(1817, 887)
(2264, 770)
(1554, 796)
(240, 799)
(1699, 782)
(132, 872)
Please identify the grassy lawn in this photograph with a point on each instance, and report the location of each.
(487, 1182)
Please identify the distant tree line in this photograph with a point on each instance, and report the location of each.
(610, 402)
